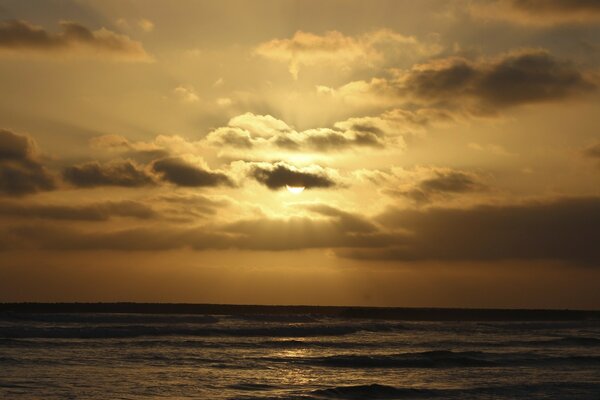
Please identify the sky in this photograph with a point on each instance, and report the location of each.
(381, 153)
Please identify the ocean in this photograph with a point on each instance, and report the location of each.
(128, 352)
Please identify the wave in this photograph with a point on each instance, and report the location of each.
(289, 318)
(101, 318)
(573, 341)
(131, 331)
(540, 325)
(374, 391)
(566, 341)
(438, 359)
(377, 391)
(252, 386)
(428, 359)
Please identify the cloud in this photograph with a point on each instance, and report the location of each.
(186, 94)
(259, 125)
(349, 222)
(183, 173)
(161, 147)
(446, 182)
(512, 79)
(334, 229)
(539, 12)
(333, 47)
(451, 181)
(563, 229)
(231, 137)
(325, 140)
(280, 175)
(251, 131)
(592, 151)
(20, 171)
(118, 173)
(88, 212)
(491, 148)
(555, 230)
(145, 24)
(21, 37)
(195, 205)
(298, 233)
(423, 184)
(224, 102)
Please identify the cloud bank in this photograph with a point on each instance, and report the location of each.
(512, 79)
(20, 170)
(540, 12)
(21, 37)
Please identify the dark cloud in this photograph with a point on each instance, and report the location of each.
(121, 173)
(15, 147)
(20, 36)
(451, 182)
(565, 230)
(539, 12)
(592, 151)
(415, 194)
(279, 175)
(451, 78)
(441, 184)
(20, 171)
(182, 173)
(89, 212)
(558, 6)
(527, 76)
(331, 140)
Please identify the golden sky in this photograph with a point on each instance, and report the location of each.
(448, 151)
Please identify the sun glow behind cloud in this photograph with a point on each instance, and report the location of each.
(295, 189)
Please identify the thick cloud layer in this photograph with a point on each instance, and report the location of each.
(565, 230)
(592, 151)
(334, 230)
(558, 6)
(451, 181)
(488, 84)
(425, 184)
(74, 39)
(183, 173)
(85, 212)
(281, 175)
(20, 171)
(540, 12)
(120, 173)
(443, 183)
(524, 77)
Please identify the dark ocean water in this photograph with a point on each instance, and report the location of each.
(298, 356)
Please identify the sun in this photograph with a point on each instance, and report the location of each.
(295, 189)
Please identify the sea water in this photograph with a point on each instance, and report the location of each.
(297, 356)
